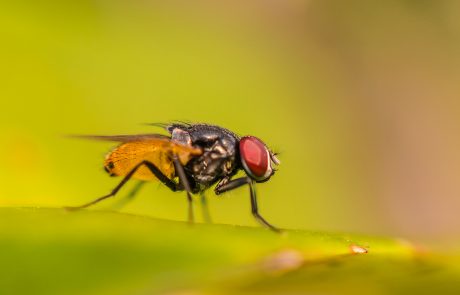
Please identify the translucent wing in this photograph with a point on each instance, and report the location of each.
(123, 138)
(157, 150)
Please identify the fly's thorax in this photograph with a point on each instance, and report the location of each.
(210, 167)
(219, 151)
(203, 135)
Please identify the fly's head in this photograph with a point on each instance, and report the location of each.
(257, 159)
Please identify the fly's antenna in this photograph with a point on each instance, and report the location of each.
(274, 158)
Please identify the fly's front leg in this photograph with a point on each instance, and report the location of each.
(228, 185)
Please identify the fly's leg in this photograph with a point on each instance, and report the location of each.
(205, 208)
(158, 174)
(255, 210)
(183, 180)
(130, 196)
(233, 184)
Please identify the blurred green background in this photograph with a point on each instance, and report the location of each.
(361, 99)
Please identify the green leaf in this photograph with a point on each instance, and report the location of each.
(51, 251)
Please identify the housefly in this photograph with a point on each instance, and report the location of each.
(192, 158)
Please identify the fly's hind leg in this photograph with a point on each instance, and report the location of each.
(130, 196)
(158, 174)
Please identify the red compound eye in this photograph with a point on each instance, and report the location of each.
(255, 158)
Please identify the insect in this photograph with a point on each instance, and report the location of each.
(192, 158)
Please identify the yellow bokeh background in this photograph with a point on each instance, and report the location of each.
(361, 99)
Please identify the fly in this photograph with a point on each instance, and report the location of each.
(192, 158)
